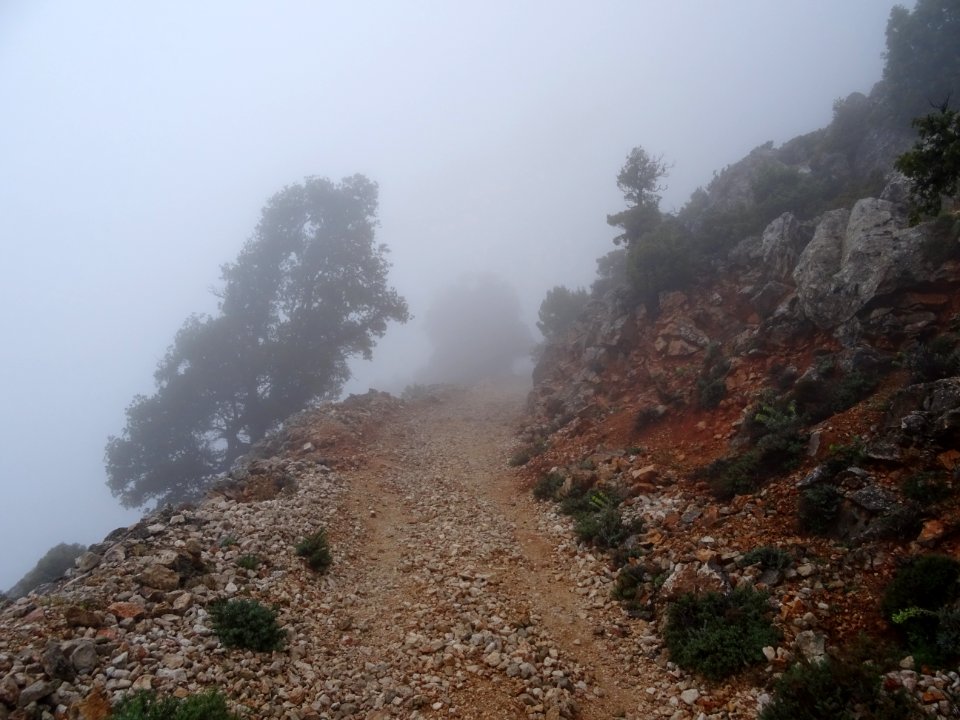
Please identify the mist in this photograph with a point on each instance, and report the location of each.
(141, 140)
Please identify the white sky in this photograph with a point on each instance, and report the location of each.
(139, 140)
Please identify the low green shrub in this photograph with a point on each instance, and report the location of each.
(147, 705)
(846, 456)
(520, 457)
(768, 558)
(919, 602)
(926, 488)
(548, 486)
(818, 508)
(647, 415)
(316, 550)
(718, 635)
(582, 498)
(711, 385)
(935, 360)
(246, 624)
(628, 582)
(836, 689)
(604, 528)
(779, 446)
(929, 582)
(249, 562)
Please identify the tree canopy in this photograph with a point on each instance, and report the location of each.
(307, 292)
(933, 165)
(639, 181)
(559, 310)
(923, 56)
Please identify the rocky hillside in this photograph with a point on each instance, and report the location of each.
(804, 400)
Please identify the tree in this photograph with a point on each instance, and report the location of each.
(923, 56)
(307, 292)
(55, 562)
(639, 181)
(933, 165)
(661, 260)
(559, 310)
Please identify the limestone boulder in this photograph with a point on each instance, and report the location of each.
(857, 256)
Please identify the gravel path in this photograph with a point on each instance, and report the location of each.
(462, 592)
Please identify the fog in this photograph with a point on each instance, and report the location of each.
(140, 141)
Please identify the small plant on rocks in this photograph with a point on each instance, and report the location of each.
(548, 486)
(246, 624)
(601, 524)
(768, 558)
(818, 507)
(628, 582)
(926, 488)
(147, 705)
(316, 550)
(249, 562)
(718, 635)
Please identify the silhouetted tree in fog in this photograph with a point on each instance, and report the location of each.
(559, 310)
(308, 291)
(476, 331)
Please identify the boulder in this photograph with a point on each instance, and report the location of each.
(856, 256)
(780, 246)
(87, 561)
(817, 265)
(160, 577)
(84, 657)
(81, 617)
(36, 691)
(767, 299)
(55, 663)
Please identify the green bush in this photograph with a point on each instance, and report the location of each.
(584, 499)
(604, 528)
(559, 310)
(928, 582)
(249, 562)
(846, 456)
(926, 488)
(711, 387)
(520, 457)
(718, 635)
(647, 415)
(548, 486)
(828, 393)
(660, 260)
(818, 508)
(919, 603)
(768, 558)
(146, 705)
(628, 582)
(938, 359)
(246, 624)
(778, 447)
(525, 454)
(316, 550)
(836, 689)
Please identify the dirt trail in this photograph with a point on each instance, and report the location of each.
(458, 586)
